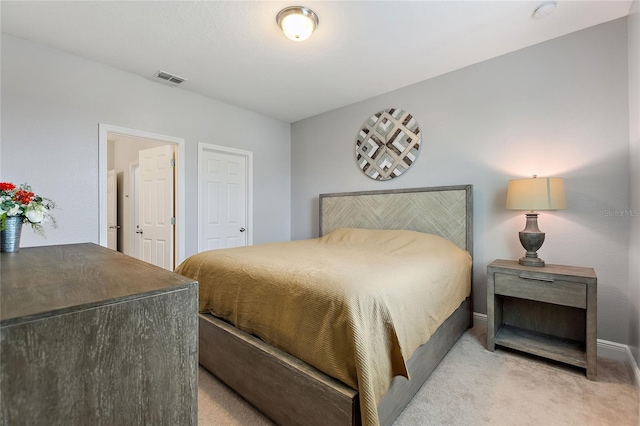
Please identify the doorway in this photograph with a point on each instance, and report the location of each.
(149, 173)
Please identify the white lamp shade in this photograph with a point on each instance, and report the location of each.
(536, 194)
(297, 22)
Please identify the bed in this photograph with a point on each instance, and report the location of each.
(371, 389)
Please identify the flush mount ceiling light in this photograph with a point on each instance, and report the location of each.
(545, 9)
(297, 22)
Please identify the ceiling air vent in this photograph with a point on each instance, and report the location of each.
(170, 78)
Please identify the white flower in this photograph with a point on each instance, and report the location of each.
(35, 216)
(14, 211)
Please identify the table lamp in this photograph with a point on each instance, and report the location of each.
(534, 194)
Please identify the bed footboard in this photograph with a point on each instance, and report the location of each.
(290, 392)
(285, 389)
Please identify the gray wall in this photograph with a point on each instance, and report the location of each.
(52, 103)
(555, 109)
(634, 166)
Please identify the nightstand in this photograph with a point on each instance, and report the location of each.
(548, 311)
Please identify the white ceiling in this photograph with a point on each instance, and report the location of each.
(235, 52)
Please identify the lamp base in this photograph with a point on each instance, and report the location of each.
(531, 261)
(531, 238)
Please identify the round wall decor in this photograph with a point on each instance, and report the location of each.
(388, 144)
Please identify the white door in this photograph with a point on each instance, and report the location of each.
(112, 209)
(223, 200)
(155, 202)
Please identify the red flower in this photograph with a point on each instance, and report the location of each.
(7, 186)
(23, 197)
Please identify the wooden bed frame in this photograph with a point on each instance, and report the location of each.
(291, 392)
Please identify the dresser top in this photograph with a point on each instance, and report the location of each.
(41, 281)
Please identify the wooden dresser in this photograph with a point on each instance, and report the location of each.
(90, 336)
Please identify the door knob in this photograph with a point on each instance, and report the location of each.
(242, 229)
(138, 231)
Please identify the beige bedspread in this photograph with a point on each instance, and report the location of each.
(355, 303)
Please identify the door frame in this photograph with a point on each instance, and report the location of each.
(179, 189)
(134, 241)
(202, 147)
(111, 174)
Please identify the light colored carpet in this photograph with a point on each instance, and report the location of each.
(473, 386)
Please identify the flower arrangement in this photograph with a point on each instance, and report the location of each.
(21, 201)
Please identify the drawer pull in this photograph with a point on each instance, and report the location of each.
(548, 280)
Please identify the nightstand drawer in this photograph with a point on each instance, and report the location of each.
(541, 289)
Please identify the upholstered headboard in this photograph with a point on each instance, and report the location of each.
(444, 210)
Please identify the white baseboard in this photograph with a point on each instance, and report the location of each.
(606, 349)
(633, 369)
(613, 350)
(479, 319)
